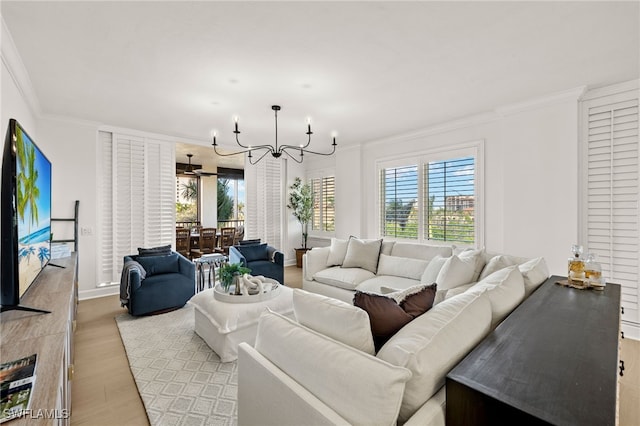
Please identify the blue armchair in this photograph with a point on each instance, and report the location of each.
(262, 259)
(168, 282)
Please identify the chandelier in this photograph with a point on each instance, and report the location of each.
(275, 150)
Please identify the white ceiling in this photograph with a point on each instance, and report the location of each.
(365, 70)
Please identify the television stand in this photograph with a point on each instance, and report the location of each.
(23, 308)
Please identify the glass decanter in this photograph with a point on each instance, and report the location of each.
(576, 265)
(593, 272)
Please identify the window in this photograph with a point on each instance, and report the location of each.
(450, 200)
(231, 197)
(434, 198)
(323, 204)
(187, 190)
(399, 202)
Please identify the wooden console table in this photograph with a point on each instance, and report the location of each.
(50, 336)
(554, 360)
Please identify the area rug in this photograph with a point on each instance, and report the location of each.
(180, 379)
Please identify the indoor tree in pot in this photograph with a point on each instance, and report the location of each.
(301, 203)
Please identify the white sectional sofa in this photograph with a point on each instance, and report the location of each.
(321, 369)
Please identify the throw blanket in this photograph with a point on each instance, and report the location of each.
(125, 294)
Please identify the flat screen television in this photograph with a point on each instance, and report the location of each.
(26, 216)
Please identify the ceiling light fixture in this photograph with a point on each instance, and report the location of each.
(275, 150)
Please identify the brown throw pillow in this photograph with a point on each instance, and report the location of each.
(388, 313)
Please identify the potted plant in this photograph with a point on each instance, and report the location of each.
(301, 203)
(228, 272)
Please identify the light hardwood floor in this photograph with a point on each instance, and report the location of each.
(104, 392)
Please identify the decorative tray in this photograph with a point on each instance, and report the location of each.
(271, 290)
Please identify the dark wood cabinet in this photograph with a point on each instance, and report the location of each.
(554, 360)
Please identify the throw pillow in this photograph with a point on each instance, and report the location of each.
(254, 252)
(534, 272)
(334, 318)
(337, 252)
(455, 272)
(432, 270)
(390, 312)
(155, 251)
(495, 264)
(476, 257)
(155, 265)
(362, 254)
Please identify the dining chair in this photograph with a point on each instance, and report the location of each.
(226, 239)
(183, 241)
(206, 243)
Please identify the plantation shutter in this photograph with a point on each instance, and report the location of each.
(264, 201)
(324, 190)
(137, 199)
(611, 201)
(399, 190)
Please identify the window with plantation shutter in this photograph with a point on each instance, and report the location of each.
(399, 201)
(137, 199)
(450, 197)
(610, 215)
(433, 196)
(323, 204)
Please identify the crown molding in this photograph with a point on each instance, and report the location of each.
(610, 90)
(570, 95)
(18, 72)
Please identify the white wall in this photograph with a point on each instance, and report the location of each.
(530, 180)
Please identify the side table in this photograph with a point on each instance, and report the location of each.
(208, 263)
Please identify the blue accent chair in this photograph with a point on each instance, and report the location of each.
(262, 259)
(169, 283)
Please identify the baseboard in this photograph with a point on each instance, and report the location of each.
(98, 292)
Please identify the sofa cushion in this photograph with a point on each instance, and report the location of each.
(505, 290)
(347, 278)
(253, 252)
(387, 247)
(432, 344)
(420, 251)
(375, 284)
(362, 254)
(337, 251)
(476, 257)
(370, 389)
(455, 272)
(432, 270)
(401, 266)
(534, 272)
(154, 265)
(495, 264)
(334, 318)
(389, 313)
(155, 251)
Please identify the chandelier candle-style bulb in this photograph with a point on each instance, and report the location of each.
(275, 150)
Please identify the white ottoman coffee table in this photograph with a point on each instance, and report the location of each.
(224, 325)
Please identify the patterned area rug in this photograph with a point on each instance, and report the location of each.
(180, 379)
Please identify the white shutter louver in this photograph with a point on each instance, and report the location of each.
(264, 201)
(611, 169)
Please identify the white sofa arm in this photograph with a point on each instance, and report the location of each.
(267, 396)
(313, 261)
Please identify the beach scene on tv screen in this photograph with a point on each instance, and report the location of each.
(33, 196)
